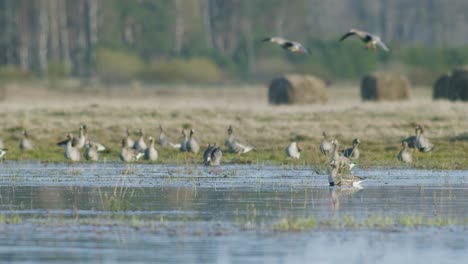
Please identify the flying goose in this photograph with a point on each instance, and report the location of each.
(70, 152)
(151, 153)
(325, 146)
(163, 141)
(212, 155)
(192, 144)
(236, 145)
(352, 153)
(140, 144)
(405, 153)
(337, 179)
(293, 151)
(25, 142)
(127, 153)
(422, 142)
(370, 40)
(292, 46)
(91, 151)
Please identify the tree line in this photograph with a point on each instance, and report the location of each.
(73, 37)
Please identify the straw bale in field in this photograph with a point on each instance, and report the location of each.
(459, 85)
(297, 89)
(382, 86)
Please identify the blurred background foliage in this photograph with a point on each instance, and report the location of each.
(218, 41)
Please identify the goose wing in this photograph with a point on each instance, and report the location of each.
(382, 45)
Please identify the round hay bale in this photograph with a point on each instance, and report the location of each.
(459, 85)
(441, 87)
(297, 89)
(382, 86)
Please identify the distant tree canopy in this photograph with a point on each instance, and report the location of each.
(174, 40)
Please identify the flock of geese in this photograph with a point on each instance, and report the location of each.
(341, 162)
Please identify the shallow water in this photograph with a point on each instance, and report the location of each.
(224, 215)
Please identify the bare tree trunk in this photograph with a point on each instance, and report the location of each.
(54, 33)
(25, 37)
(206, 14)
(43, 33)
(65, 43)
(179, 27)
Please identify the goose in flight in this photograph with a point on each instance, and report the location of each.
(292, 46)
(371, 41)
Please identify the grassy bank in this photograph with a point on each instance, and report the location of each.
(49, 115)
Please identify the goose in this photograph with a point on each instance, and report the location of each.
(212, 155)
(151, 153)
(25, 142)
(128, 154)
(422, 142)
(163, 141)
(293, 151)
(352, 153)
(337, 179)
(91, 151)
(183, 144)
(405, 153)
(236, 145)
(77, 142)
(192, 144)
(84, 135)
(371, 41)
(289, 45)
(140, 144)
(325, 146)
(3, 152)
(71, 152)
(129, 139)
(342, 161)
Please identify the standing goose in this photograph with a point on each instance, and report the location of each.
(70, 152)
(293, 151)
(422, 142)
(84, 135)
(129, 139)
(140, 144)
(212, 155)
(163, 141)
(289, 45)
(192, 144)
(91, 151)
(25, 142)
(325, 146)
(405, 153)
(127, 153)
(337, 179)
(341, 161)
(236, 145)
(352, 153)
(370, 40)
(183, 144)
(151, 153)
(77, 142)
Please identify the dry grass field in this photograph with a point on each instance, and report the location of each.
(49, 114)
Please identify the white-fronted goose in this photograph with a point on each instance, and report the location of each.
(192, 144)
(127, 153)
(337, 179)
(352, 153)
(422, 142)
(293, 151)
(212, 155)
(289, 45)
(91, 151)
(164, 141)
(370, 40)
(236, 145)
(325, 145)
(151, 153)
(25, 142)
(405, 154)
(140, 144)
